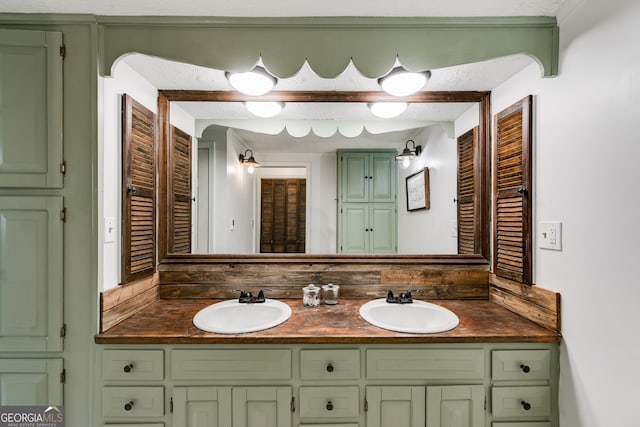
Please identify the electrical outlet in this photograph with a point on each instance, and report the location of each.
(109, 229)
(550, 235)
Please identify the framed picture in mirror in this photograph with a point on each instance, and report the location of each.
(417, 185)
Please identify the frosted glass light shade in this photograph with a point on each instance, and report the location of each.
(264, 109)
(387, 110)
(400, 82)
(255, 82)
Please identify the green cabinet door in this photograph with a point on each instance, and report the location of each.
(202, 406)
(455, 406)
(382, 228)
(368, 228)
(354, 177)
(383, 179)
(368, 177)
(30, 382)
(354, 226)
(262, 407)
(30, 109)
(395, 406)
(31, 255)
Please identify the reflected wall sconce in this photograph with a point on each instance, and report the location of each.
(400, 82)
(407, 154)
(248, 161)
(255, 82)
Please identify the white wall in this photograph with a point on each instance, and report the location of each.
(586, 151)
(240, 198)
(124, 81)
(430, 231)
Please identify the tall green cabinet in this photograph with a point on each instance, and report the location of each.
(367, 202)
(31, 218)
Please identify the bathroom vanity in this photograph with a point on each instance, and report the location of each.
(327, 366)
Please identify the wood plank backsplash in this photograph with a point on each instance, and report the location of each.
(356, 279)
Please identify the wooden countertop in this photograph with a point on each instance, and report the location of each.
(170, 322)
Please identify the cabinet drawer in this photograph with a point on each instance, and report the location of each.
(330, 364)
(132, 402)
(520, 365)
(329, 402)
(521, 401)
(135, 365)
(425, 364)
(250, 364)
(544, 424)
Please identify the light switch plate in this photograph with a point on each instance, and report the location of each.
(550, 235)
(109, 229)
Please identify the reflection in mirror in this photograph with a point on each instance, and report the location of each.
(237, 214)
(302, 143)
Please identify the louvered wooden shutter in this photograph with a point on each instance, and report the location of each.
(295, 207)
(138, 190)
(283, 212)
(180, 203)
(468, 201)
(512, 192)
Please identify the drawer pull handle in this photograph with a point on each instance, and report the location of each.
(329, 406)
(526, 405)
(329, 367)
(128, 406)
(128, 368)
(525, 369)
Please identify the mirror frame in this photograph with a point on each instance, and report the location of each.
(482, 172)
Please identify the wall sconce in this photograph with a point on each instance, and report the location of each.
(255, 82)
(248, 161)
(407, 154)
(400, 82)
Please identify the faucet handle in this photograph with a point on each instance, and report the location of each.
(244, 295)
(260, 297)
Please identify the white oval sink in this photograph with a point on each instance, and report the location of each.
(232, 317)
(419, 317)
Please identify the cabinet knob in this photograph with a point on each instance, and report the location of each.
(329, 367)
(128, 406)
(128, 368)
(526, 369)
(522, 191)
(526, 405)
(132, 190)
(329, 406)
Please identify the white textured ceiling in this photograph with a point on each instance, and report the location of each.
(272, 8)
(270, 134)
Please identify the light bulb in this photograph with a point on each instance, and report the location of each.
(387, 110)
(250, 169)
(255, 82)
(400, 82)
(264, 109)
(405, 163)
